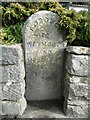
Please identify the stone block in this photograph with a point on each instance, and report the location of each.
(76, 79)
(78, 50)
(78, 91)
(89, 109)
(44, 47)
(12, 91)
(76, 87)
(77, 109)
(13, 108)
(78, 65)
(10, 55)
(12, 73)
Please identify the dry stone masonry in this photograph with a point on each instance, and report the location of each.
(77, 81)
(12, 83)
(43, 77)
(44, 49)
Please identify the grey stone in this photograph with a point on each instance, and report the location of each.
(10, 55)
(12, 91)
(89, 89)
(75, 87)
(76, 96)
(78, 91)
(12, 73)
(77, 109)
(13, 108)
(12, 84)
(76, 79)
(44, 109)
(78, 65)
(78, 50)
(44, 55)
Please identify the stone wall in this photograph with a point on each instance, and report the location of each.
(76, 85)
(76, 81)
(12, 83)
(44, 48)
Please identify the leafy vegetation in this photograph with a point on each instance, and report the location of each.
(11, 34)
(83, 31)
(76, 25)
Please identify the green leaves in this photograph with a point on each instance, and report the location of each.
(12, 34)
(83, 30)
(76, 26)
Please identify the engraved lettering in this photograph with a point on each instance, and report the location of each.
(40, 20)
(52, 21)
(31, 29)
(35, 23)
(46, 20)
(43, 34)
(42, 49)
(49, 44)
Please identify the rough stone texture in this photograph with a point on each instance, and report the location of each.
(76, 102)
(12, 83)
(10, 55)
(77, 109)
(12, 91)
(44, 50)
(12, 73)
(78, 50)
(44, 109)
(79, 91)
(12, 108)
(76, 87)
(89, 89)
(78, 65)
(77, 79)
(89, 108)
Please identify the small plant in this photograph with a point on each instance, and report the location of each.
(83, 31)
(75, 25)
(11, 34)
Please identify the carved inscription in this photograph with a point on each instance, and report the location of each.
(44, 43)
(38, 29)
(44, 49)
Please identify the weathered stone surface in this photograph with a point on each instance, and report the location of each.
(44, 49)
(78, 91)
(78, 50)
(76, 79)
(76, 96)
(77, 109)
(12, 73)
(12, 108)
(44, 109)
(78, 65)
(12, 91)
(89, 89)
(76, 88)
(12, 84)
(10, 55)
